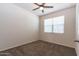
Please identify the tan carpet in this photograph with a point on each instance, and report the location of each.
(40, 48)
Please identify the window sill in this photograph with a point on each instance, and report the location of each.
(52, 33)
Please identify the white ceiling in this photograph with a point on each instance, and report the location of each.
(57, 6)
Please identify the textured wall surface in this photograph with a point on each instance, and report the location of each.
(17, 26)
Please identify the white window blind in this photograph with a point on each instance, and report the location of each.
(55, 25)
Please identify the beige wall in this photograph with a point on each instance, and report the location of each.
(17, 26)
(66, 39)
(77, 29)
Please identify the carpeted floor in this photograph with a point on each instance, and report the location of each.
(39, 48)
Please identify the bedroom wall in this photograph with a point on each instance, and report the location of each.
(77, 29)
(17, 26)
(66, 39)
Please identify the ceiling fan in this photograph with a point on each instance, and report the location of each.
(41, 7)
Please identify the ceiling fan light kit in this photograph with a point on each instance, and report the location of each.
(41, 8)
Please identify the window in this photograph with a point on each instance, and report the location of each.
(48, 25)
(55, 25)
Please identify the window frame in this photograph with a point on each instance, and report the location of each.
(53, 25)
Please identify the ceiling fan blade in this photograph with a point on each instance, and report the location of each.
(36, 8)
(48, 6)
(42, 11)
(37, 4)
(43, 3)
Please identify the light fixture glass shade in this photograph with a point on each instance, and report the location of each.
(41, 8)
